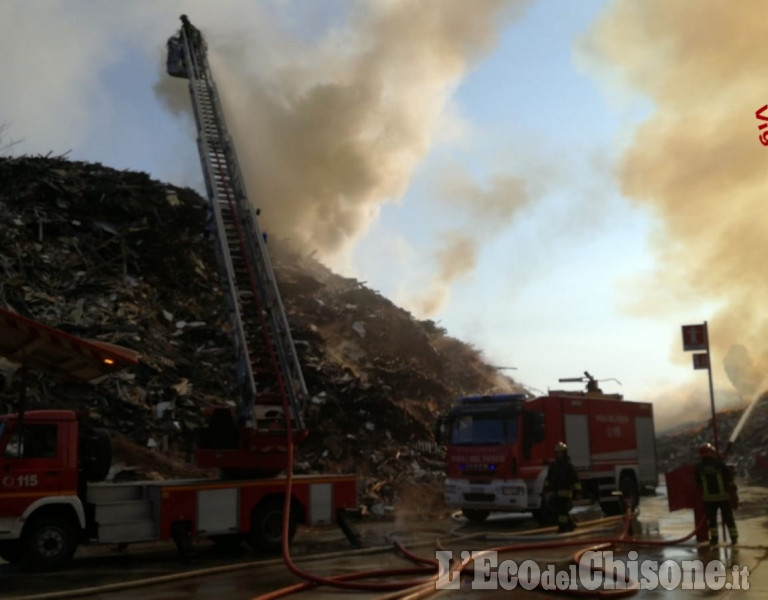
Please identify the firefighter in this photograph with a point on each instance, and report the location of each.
(563, 483)
(716, 483)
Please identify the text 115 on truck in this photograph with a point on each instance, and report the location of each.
(499, 448)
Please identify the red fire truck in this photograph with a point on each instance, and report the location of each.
(498, 449)
(51, 464)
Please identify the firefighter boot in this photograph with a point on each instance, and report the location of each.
(564, 523)
(713, 538)
(734, 535)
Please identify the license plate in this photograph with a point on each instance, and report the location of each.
(477, 490)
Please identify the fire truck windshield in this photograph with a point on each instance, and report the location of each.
(477, 430)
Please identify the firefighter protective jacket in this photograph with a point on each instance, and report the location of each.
(715, 479)
(562, 478)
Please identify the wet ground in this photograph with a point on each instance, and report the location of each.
(244, 574)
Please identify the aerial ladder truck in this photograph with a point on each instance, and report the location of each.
(271, 385)
(53, 496)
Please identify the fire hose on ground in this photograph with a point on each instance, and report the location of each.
(422, 588)
(428, 584)
(626, 588)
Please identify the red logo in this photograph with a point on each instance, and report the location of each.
(763, 137)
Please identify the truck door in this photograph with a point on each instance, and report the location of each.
(32, 465)
(577, 439)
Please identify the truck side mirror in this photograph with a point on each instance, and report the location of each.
(537, 429)
(15, 446)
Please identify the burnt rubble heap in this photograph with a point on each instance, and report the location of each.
(749, 454)
(115, 256)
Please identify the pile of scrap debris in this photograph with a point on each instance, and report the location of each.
(749, 454)
(115, 256)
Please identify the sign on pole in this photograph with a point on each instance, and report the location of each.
(696, 339)
(701, 360)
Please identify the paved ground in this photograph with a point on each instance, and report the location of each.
(259, 574)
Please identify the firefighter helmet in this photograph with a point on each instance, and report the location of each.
(561, 447)
(707, 449)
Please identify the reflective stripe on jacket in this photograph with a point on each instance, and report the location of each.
(714, 479)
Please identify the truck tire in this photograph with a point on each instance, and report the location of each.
(266, 526)
(9, 551)
(48, 541)
(629, 490)
(475, 515)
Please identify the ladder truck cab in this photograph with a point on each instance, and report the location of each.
(499, 448)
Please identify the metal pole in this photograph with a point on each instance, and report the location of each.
(712, 404)
(711, 391)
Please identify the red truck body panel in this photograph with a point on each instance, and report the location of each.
(181, 499)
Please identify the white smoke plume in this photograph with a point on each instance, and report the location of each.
(331, 129)
(697, 162)
(485, 212)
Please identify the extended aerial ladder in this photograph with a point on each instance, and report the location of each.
(268, 371)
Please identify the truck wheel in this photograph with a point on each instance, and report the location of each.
(475, 515)
(629, 490)
(48, 541)
(267, 526)
(9, 551)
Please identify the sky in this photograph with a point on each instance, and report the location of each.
(561, 184)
